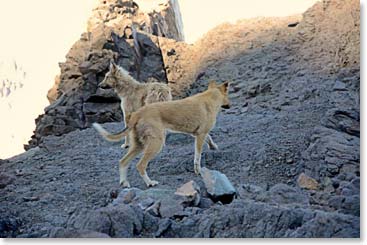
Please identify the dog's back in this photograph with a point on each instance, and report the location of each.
(157, 92)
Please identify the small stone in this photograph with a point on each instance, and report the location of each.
(289, 161)
(18, 172)
(218, 186)
(130, 195)
(205, 203)
(249, 191)
(307, 182)
(154, 209)
(125, 196)
(328, 185)
(190, 192)
(339, 86)
(31, 199)
(333, 169)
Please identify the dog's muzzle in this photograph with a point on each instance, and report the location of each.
(226, 106)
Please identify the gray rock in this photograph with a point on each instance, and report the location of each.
(336, 201)
(60, 232)
(351, 205)
(126, 196)
(164, 225)
(154, 209)
(285, 194)
(345, 120)
(171, 208)
(252, 219)
(248, 191)
(339, 86)
(218, 186)
(205, 203)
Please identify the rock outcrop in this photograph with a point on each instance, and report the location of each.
(289, 144)
(120, 31)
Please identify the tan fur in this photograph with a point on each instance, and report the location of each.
(133, 95)
(195, 115)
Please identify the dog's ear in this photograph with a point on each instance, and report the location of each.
(112, 66)
(224, 86)
(212, 84)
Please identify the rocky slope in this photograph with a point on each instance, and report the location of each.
(289, 144)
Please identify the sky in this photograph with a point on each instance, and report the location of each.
(37, 35)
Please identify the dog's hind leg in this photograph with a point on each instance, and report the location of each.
(199, 141)
(153, 147)
(210, 142)
(127, 137)
(124, 164)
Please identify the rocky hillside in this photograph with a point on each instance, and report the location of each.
(289, 144)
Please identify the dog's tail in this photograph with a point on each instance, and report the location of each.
(108, 136)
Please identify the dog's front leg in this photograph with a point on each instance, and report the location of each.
(199, 141)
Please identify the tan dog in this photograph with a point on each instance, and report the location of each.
(195, 115)
(133, 94)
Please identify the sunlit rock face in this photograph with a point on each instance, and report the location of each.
(120, 31)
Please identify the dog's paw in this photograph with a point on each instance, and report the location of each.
(152, 183)
(124, 146)
(125, 184)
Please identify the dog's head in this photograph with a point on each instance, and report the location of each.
(110, 80)
(223, 93)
